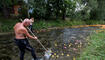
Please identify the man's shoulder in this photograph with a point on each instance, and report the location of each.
(18, 23)
(23, 29)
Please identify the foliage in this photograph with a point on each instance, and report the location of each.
(97, 9)
(23, 12)
(6, 7)
(5, 3)
(53, 9)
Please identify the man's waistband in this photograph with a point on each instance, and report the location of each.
(20, 39)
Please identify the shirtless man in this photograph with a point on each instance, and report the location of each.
(21, 40)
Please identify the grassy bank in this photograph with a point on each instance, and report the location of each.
(56, 23)
(96, 48)
(6, 25)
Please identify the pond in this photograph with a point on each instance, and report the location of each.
(66, 43)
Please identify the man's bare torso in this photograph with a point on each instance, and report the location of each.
(18, 28)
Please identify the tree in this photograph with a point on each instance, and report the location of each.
(51, 8)
(4, 5)
(101, 10)
(97, 9)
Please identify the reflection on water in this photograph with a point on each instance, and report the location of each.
(65, 43)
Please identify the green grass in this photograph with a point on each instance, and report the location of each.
(91, 22)
(6, 25)
(96, 48)
(56, 23)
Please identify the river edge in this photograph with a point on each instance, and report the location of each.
(51, 28)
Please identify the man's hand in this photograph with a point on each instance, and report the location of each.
(35, 38)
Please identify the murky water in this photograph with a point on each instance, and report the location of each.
(66, 44)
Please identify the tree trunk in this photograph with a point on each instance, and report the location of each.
(64, 11)
(57, 9)
(64, 14)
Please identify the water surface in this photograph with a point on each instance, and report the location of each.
(66, 44)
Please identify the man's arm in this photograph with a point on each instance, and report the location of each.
(28, 35)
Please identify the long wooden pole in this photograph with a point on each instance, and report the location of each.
(37, 39)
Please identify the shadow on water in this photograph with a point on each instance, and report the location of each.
(66, 44)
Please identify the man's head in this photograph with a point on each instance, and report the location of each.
(26, 22)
